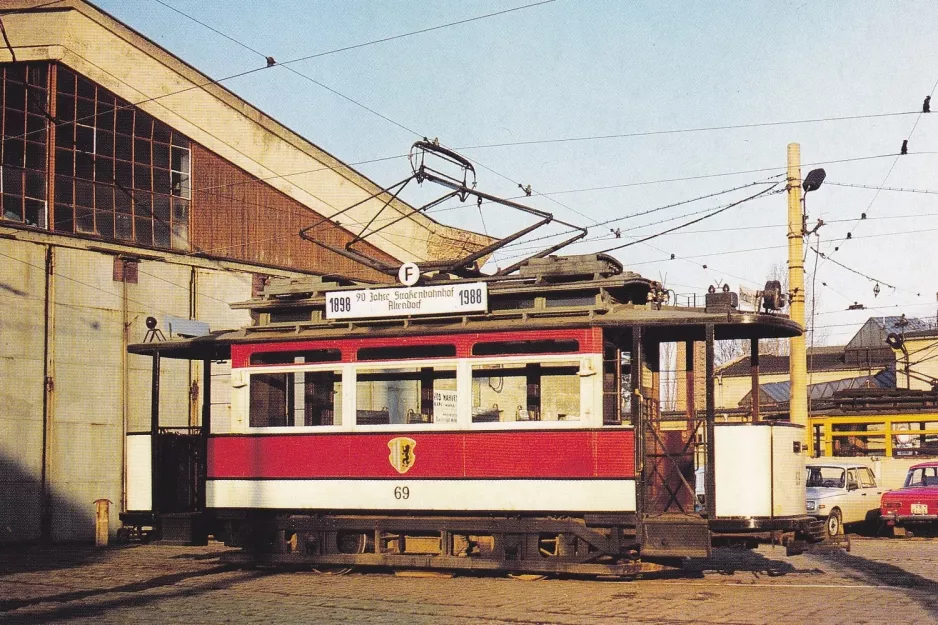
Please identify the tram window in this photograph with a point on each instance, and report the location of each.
(294, 315)
(506, 348)
(511, 303)
(617, 384)
(556, 301)
(270, 402)
(289, 358)
(319, 397)
(307, 398)
(526, 392)
(398, 352)
(406, 395)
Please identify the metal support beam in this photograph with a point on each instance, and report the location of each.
(710, 474)
(691, 393)
(754, 397)
(206, 427)
(48, 398)
(155, 432)
(638, 421)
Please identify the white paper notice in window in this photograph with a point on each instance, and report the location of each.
(444, 406)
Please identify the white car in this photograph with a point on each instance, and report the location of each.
(841, 494)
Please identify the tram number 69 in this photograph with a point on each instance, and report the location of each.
(401, 492)
(340, 304)
(467, 297)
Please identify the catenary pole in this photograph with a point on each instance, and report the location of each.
(798, 365)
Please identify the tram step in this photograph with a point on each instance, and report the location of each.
(183, 528)
(675, 536)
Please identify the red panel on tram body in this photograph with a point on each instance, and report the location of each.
(590, 341)
(580, 454)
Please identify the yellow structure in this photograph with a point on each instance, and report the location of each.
(873, 434)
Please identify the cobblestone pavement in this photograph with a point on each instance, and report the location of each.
(880, 580)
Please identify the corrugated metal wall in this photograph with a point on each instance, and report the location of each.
(22, 288)
(93, 382)
(250, 220)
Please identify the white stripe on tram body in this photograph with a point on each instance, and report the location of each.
(593, 495)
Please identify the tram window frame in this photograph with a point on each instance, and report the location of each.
(419, 405)
(526, 347)
(272, 358)
(295, 398)
(533, 381)
(408, 352)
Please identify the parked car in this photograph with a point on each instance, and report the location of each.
(841, 494)
(916, 503)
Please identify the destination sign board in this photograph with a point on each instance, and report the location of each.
(406, 301)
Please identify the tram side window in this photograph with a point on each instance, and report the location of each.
(617, 384)
(525, 392)
(406, 395)
(270, 401)
(308, 398)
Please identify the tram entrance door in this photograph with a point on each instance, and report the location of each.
(670, 520)
(179, 455)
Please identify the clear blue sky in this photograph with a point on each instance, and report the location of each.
(573, 69)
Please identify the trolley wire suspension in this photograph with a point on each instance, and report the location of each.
(428, 162)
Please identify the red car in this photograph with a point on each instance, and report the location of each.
(916, 502)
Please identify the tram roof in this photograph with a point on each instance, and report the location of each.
(552, 293)
(667, 324)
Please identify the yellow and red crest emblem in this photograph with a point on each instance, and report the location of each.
(402, 453)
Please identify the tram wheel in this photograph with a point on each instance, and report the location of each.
(346, 542)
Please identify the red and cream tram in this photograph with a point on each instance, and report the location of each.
(507, 423)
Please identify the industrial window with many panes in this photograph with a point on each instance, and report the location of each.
(117, 173)
(23, 179)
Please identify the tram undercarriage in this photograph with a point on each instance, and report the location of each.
(590, 545)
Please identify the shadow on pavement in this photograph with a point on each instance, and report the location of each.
(132, 596)
(728, 561)
(32, 558)
(923, 590)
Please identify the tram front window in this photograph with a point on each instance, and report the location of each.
(304, 398)
(406, 395)
(526, 392)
